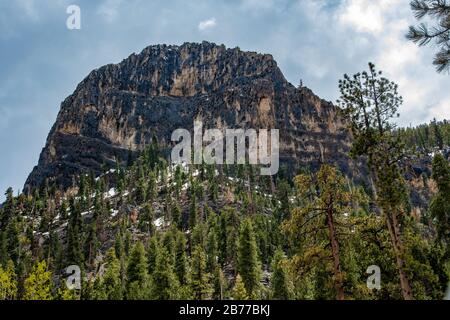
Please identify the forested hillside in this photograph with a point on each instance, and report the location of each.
(427, 138)
(157, 231)
(197, 171)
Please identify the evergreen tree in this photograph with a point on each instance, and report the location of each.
(239, 291)
(96, 290)
(437, 133)
(8, 282)
(127, 242)
(137, 275)
(165, 282)
(200, 278)
(438, 10)
(370, 101)
(66, 294)
(178, 177)
(119, 250)
(440, 204)
(111, 281)
(56, 251)
(7, 210)
(219, 284)
(4, 257)
(168, 242)
(151, 187)
(91, 244)
(193, 213)
(152, 253)
(223, 239)
(38, 285)
(12, 240)
(212, 251)
(279, 280)
(325, 202)
(146, 220)
(198, 237)
(248, 265)
(177, 218)
(283, 191)
(181, 259)
(74, 235)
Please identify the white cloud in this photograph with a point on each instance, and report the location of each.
(384, 24)
(366, 15)
(207, 24)
(316, 40)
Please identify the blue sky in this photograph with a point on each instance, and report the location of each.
(41, 61)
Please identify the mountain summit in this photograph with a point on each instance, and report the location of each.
(118, 108)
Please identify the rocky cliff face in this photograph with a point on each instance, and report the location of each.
(118, 108)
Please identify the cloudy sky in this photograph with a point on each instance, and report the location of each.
(41, 61)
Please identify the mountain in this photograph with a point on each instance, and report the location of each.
(149, 229)
(117, 109)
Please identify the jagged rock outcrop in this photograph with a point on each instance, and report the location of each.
(118, 108)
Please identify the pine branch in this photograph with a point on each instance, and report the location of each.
(442, 60)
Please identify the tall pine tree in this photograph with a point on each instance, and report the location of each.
(248, 264)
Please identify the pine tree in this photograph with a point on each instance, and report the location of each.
(91, 244)
(438, 137)
(111, 280)
(283, 190)
(9, 230)
(66, 294)
(152, 253)
(127, 242)
(440, 204)
(222, 241)
(63, 210)
(56, 251)
(153, 152)
(193, 212)
(248, 265)
(146, 220)
(438, 10)
(119, 250)
(151, 187)
(200, 278)
(4, 257)
(219, 284)
(38, 285)
(97, 290)
(141, 189)
(168, 242)
(12, 237)
(177, 218)
(165, 282)
(279, 280)
(198, 237)
(8, 282)
(239, 291)
(212, 251)
(178, 177)
(74, 235)
(137, 275)
(7, 210)
(370, 101)
(181, 259)
(324, 204)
